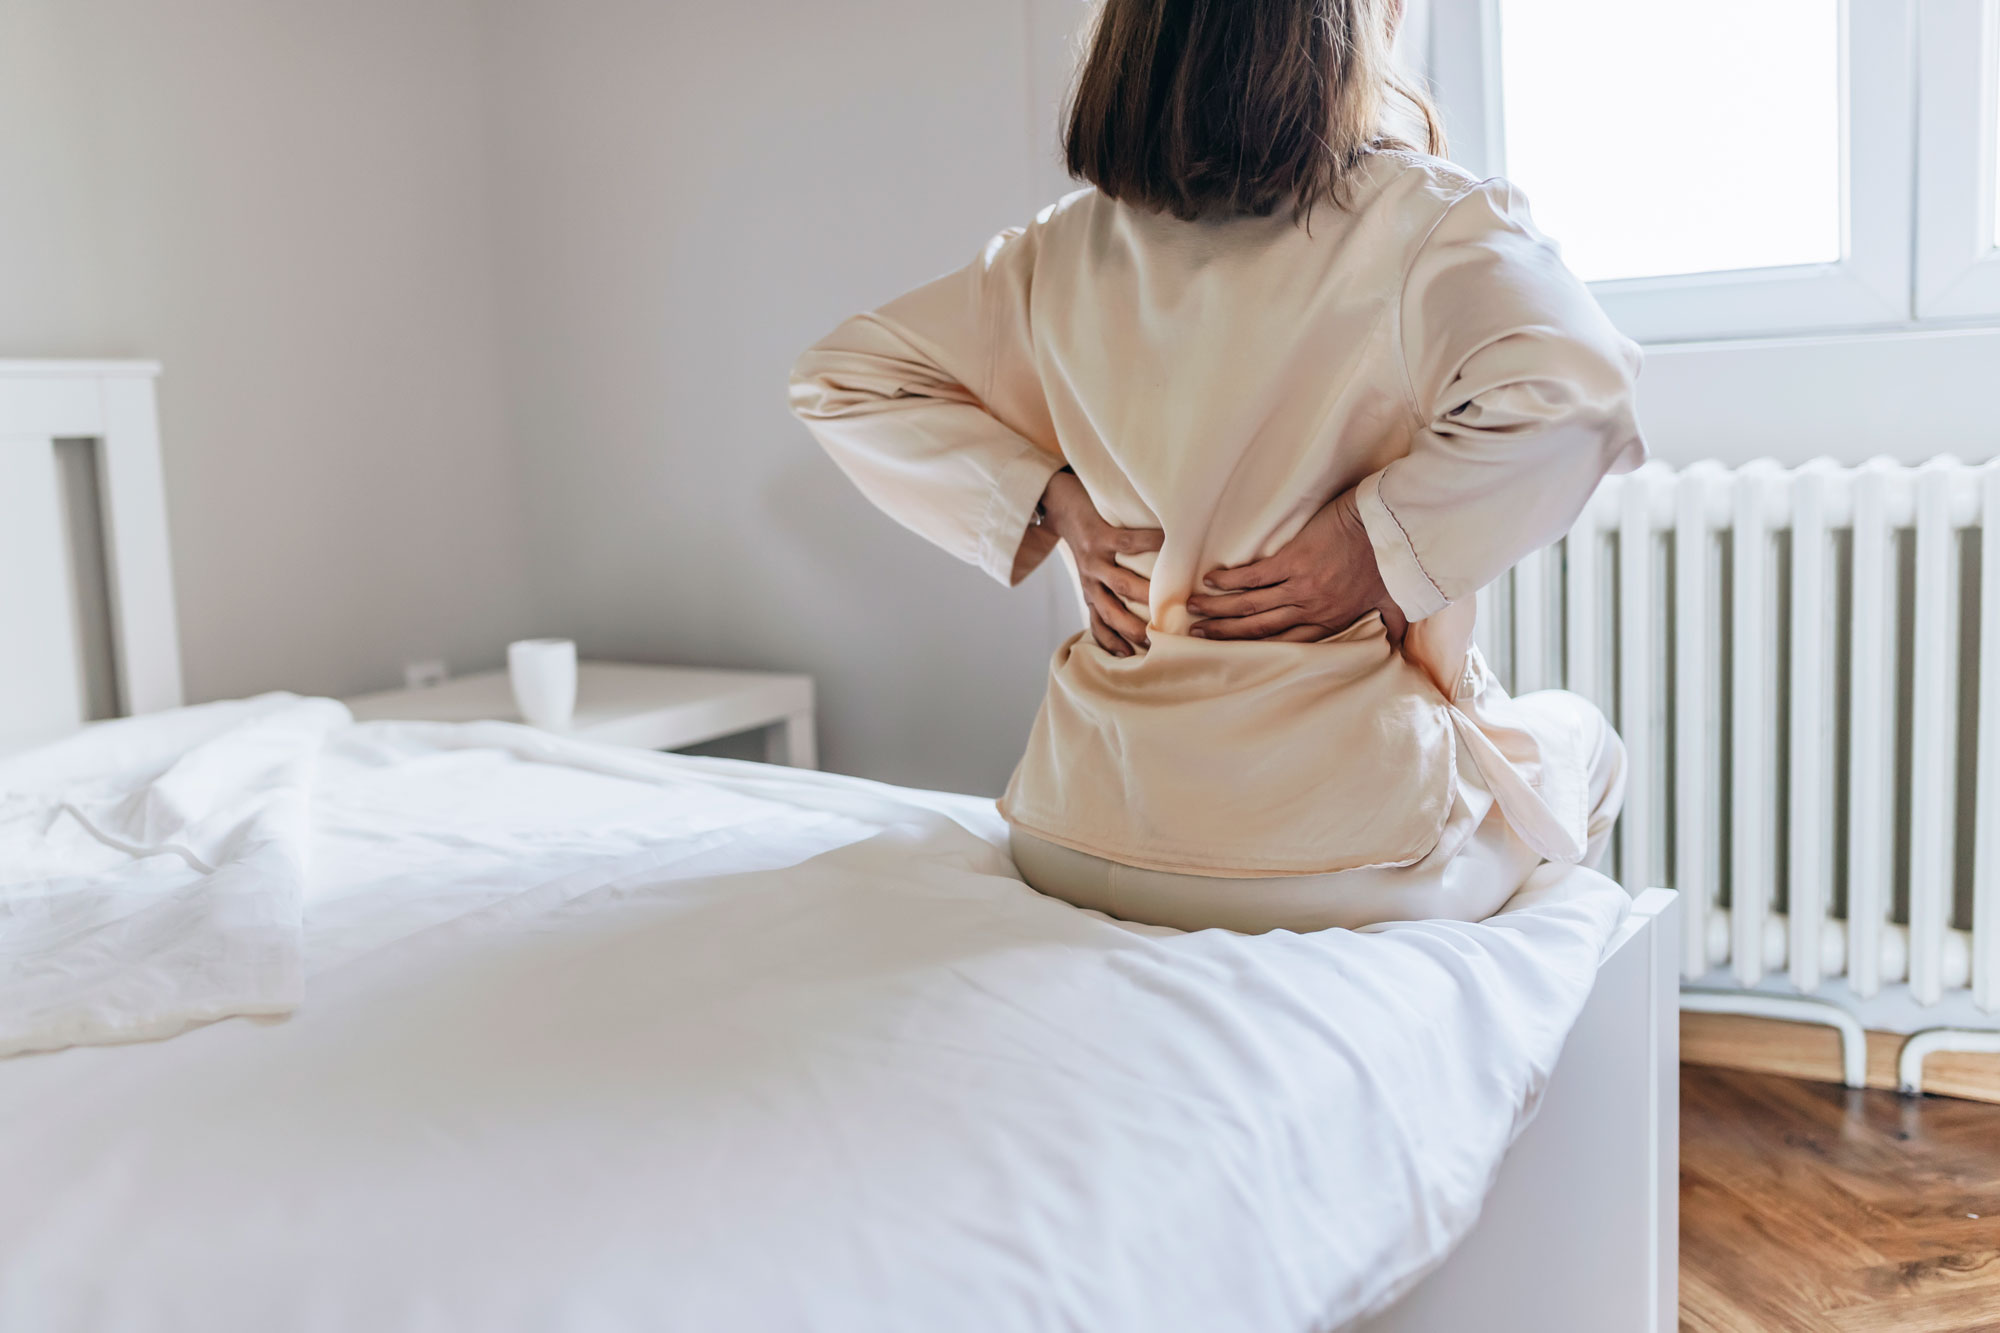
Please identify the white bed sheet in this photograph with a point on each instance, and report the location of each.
(598, 1040)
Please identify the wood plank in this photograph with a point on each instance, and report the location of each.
(1728, 1133)
(1810, 1051)
(1728, 1282)
(1938, 1275)
(1813, 1208)
(1945, 1312)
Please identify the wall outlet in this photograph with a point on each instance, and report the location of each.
(424, 675)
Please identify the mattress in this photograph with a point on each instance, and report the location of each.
(593, 1039)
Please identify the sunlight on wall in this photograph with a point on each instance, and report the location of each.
(1689, 137)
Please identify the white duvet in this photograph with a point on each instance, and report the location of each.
(589, 1039)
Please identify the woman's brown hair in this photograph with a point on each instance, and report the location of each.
(1204, 108)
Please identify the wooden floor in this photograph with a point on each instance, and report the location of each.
(1807, 1208)
(1812, 1050)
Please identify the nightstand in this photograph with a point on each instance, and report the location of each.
(625, 703)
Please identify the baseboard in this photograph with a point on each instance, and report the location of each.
(1811, 1051)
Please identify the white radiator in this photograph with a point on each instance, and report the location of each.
(1805, 666)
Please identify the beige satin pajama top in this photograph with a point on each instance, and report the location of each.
(1221, 380)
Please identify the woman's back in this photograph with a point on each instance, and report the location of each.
(1222, 381)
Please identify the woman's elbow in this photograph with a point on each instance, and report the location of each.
(830, 380)
(807, 390)
(856, 367)
(1615, 404)
(1594, 398)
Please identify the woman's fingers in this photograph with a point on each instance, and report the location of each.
(1122, 581)
(1256, 574)
(1131, 541)
(1263, 625)
(1245, 603)
(1107, 638)
(1115, 613)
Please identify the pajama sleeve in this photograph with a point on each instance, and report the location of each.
(1523, 396)
(931, 407)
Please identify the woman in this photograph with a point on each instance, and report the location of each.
(1288, 393)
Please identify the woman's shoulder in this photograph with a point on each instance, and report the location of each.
(1441, 204)
(1400, 192)
(1076, 203)
(1419, 183)
(1075, 211)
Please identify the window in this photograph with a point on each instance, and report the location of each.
(1958, 199)
(1721, 169)
(1635, 176)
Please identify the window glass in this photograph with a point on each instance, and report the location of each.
(1676, 136)
(1993, 93)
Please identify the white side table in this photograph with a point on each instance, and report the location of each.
(623, 703)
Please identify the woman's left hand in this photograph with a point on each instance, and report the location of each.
(1317, 584)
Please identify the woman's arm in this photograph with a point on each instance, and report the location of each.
(1096, 545)
(931, 406)
(1523, 392)
(905, 401)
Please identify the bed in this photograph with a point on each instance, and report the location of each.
(475, 1027)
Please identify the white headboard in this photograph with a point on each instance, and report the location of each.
(87, 624)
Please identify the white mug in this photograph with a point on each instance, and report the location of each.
(543, 672)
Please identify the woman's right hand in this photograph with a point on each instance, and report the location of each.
(1315, 586)
(1107, 585)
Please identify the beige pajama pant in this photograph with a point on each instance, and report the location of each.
(1469, 886)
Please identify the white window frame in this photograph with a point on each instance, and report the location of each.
(1868, 286)
(1958, 265)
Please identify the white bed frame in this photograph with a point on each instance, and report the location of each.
(1581, 1231)
(1579, 1234)
(87, 623)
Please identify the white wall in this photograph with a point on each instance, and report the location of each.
(1849, 397)
(285, 202)
(476, 319)
(688, 195)
(321, 217)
